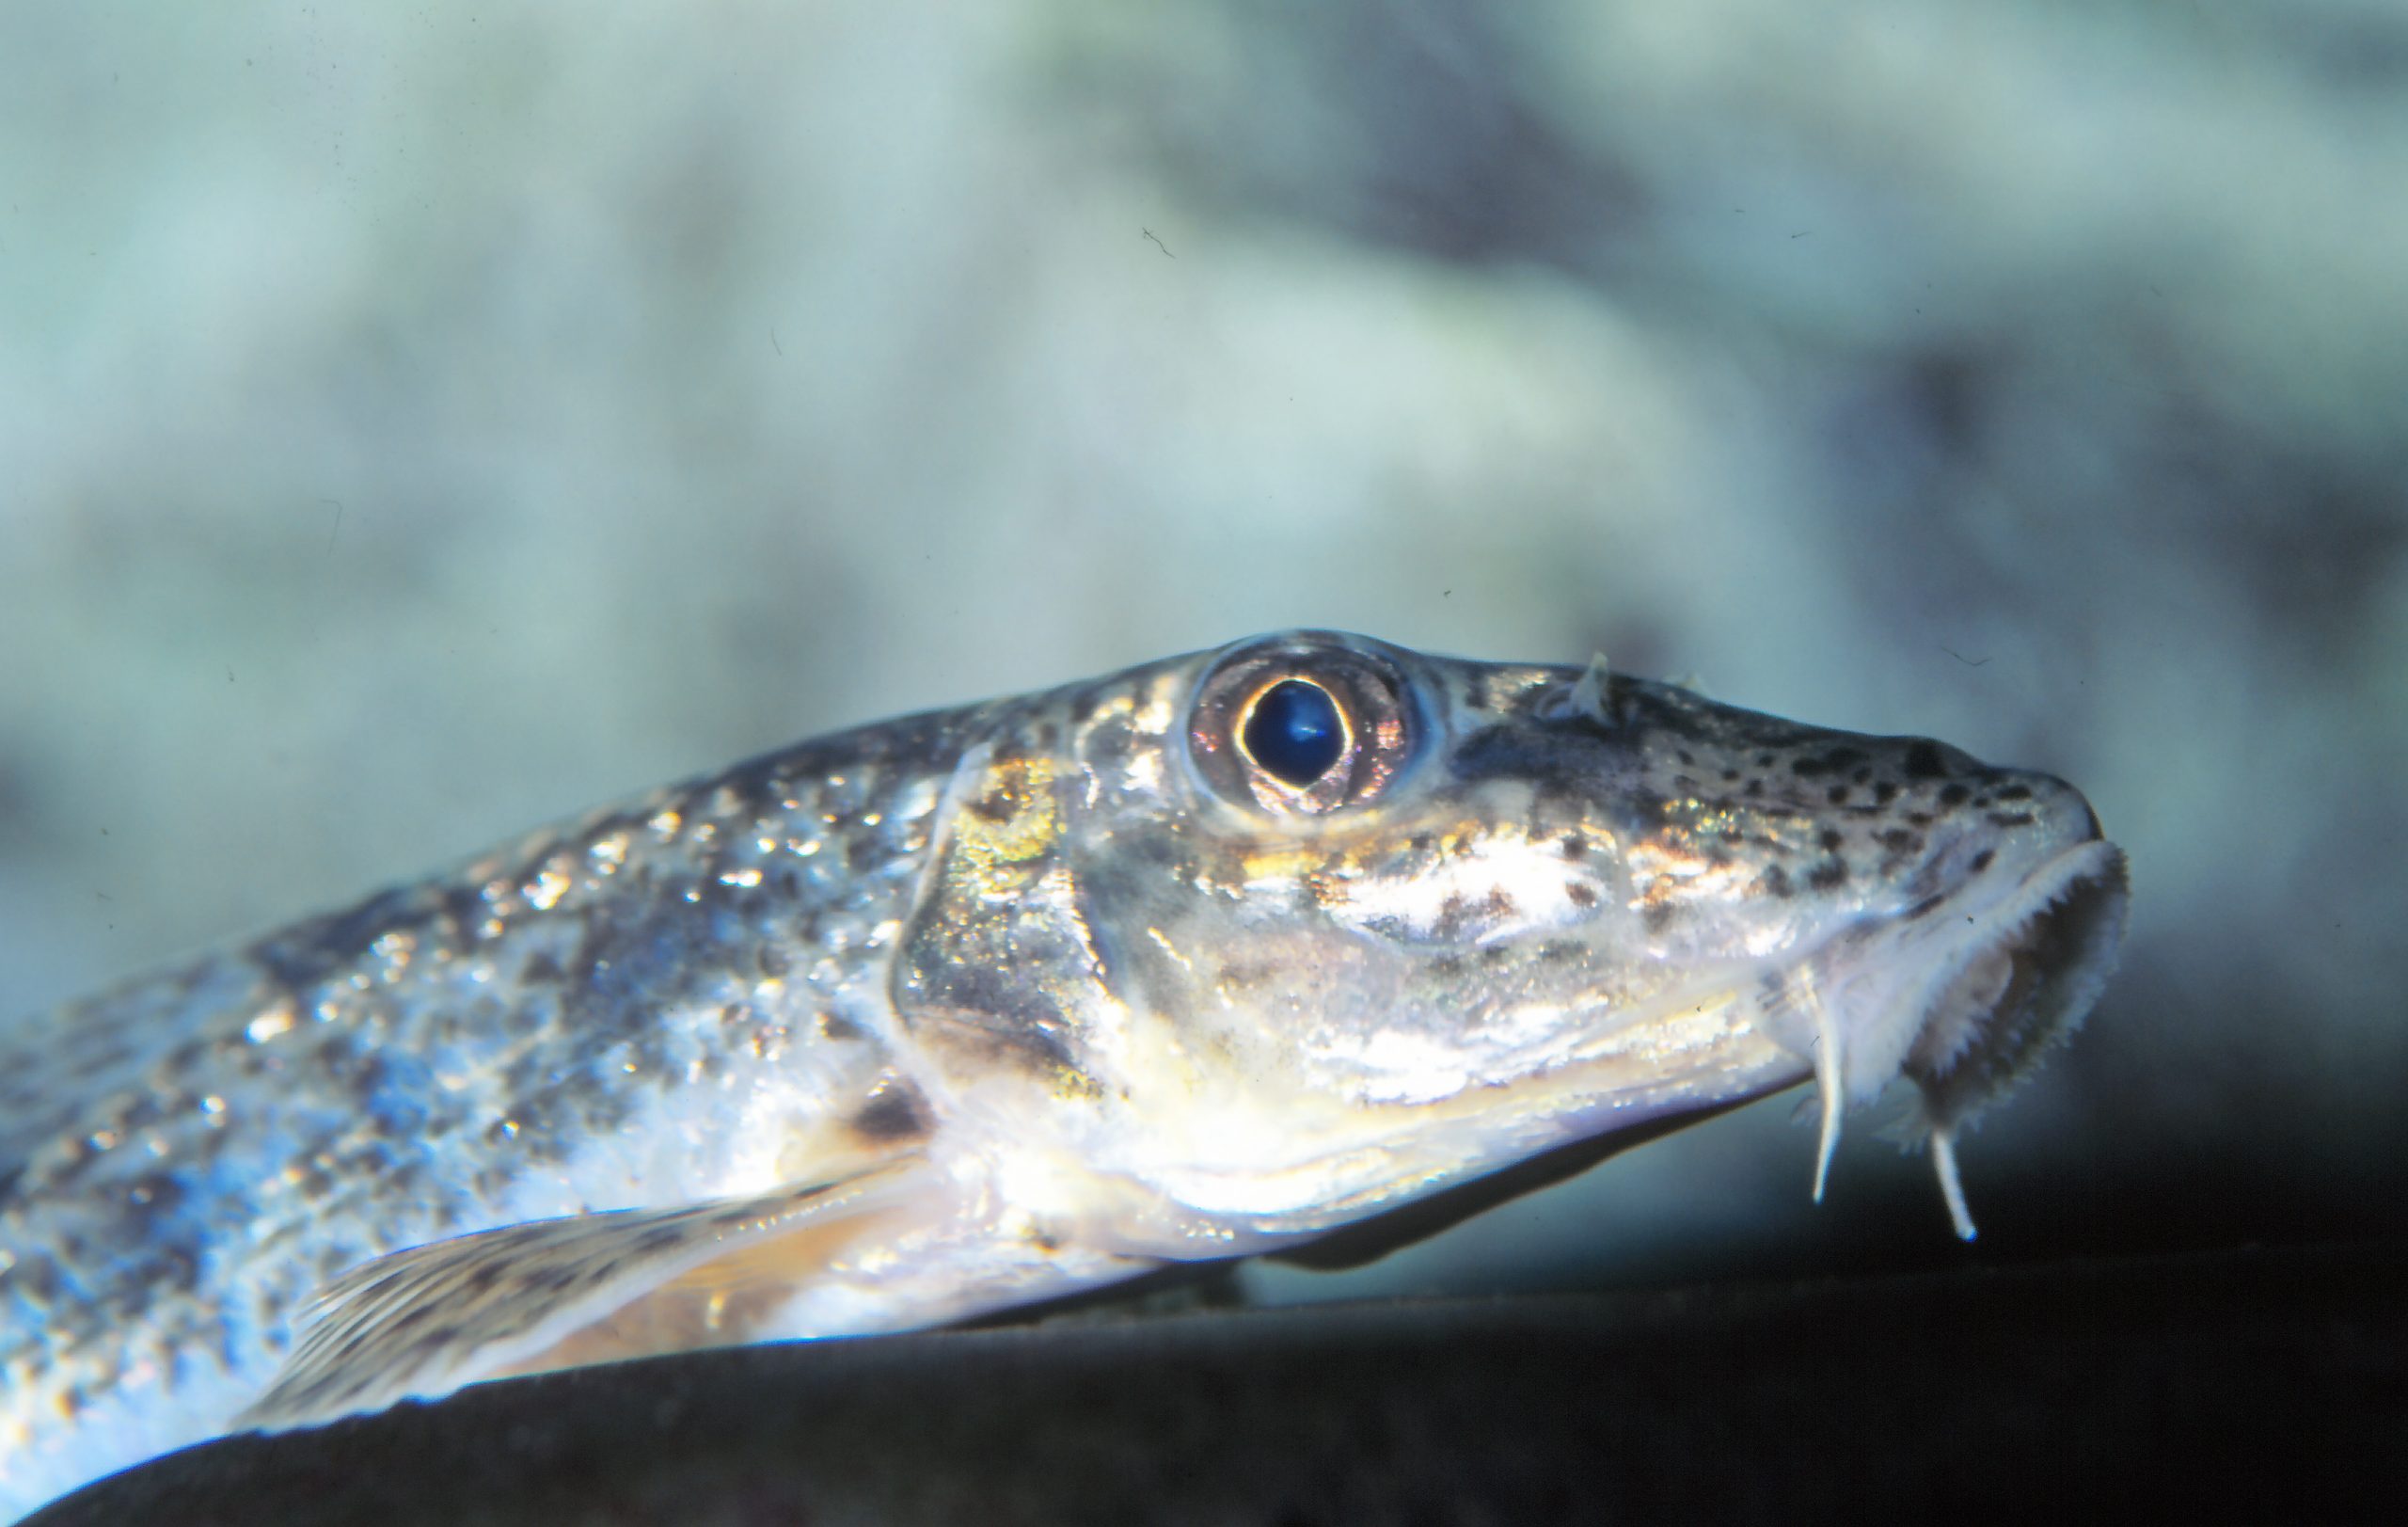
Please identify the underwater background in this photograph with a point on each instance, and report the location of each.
(417, 423)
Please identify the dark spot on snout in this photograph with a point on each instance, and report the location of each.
(1775, 882)
(1645, 813)
(1831, 839)
(1953, 795)
(1982, 860)
(1562, 757)
(2015, 793)
(2011, 819)
(836, 1025)
(1921, 908)
(1836, 760)
(1829, 873)
(1580, 894)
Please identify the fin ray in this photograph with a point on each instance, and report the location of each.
(426, 1320)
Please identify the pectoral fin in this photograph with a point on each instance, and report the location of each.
(527, 1296)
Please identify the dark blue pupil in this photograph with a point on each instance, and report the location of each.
(1294, 731)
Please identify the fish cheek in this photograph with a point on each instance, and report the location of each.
(994, 972)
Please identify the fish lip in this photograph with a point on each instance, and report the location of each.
(2016, 984)
(1981, 1007)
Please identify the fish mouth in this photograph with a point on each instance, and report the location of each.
(2021, 987)
(1997, 987)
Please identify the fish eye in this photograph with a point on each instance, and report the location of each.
(1293, 730)
(1301, 725)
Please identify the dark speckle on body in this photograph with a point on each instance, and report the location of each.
(483, 1052)
(293, 1086)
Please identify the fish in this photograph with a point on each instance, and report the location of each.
(959, 1013)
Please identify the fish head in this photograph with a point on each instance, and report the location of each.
(1277, 937)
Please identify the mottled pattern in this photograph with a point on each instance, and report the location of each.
(215, 1142)
(1096, 986)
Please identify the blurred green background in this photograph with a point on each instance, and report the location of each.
(420, 422)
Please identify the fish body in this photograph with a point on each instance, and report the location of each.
(972, 1008)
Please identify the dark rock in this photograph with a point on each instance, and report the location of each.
(2260, 1384)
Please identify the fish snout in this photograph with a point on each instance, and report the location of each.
(2013, 798)
(2058, 814)
(1995, 828)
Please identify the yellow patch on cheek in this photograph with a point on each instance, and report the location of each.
(1015, 819)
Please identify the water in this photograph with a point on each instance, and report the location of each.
(415, 427)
